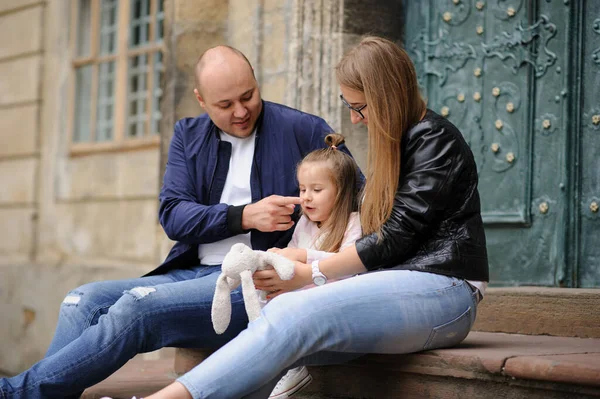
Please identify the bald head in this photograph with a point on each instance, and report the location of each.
(217, 59)
(227, 90)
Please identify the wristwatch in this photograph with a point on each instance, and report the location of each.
(317, 277)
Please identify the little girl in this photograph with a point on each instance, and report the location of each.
(329, 183)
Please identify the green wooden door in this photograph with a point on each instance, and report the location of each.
(508, 73)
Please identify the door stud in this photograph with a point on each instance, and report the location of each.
(546, 124)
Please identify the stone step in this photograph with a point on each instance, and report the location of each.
(564, 312)
(485, 365)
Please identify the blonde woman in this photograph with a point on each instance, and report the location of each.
(422, 259)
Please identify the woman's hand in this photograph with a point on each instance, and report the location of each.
(270, 282)
(294, 254)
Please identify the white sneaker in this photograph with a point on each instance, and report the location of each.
(291, 383)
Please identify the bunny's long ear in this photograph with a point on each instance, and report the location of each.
(221, 306)
(233, 283)
(250, 296)
(282, 265)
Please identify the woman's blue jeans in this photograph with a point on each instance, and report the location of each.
(104, 324)
(382, 312)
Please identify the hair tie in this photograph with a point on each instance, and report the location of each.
(334, 147)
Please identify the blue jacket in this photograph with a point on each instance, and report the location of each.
(198, 163)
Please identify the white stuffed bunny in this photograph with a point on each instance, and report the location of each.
(239, 265)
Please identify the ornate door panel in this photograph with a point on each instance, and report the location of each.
(499, 71)
(588, 270)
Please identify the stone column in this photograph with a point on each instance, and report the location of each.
(316, 45)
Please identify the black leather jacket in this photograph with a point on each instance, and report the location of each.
(435, 225)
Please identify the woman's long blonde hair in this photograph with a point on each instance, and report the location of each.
(386, 75)
(344, 174)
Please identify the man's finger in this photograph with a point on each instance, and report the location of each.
(283, 226)
(290, 208)
(285, 210)
(283, 201)
(282, 219)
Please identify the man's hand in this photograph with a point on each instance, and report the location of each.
(270, 214)
(269, 280)
(295, 254)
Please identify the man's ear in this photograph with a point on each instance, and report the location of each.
(199, 98)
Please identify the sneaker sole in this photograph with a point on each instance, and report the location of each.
(291, 392)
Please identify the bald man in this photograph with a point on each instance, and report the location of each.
(230, 178)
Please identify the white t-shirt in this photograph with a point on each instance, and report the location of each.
(235, 192)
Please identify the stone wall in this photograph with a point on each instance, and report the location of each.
(20, 100)
(21, 69)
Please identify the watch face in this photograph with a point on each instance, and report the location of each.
(319, 280)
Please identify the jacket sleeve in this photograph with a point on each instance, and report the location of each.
(181, 216)
(431, 157)
(310, 132)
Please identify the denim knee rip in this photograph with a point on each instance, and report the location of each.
(140, 292)
(72, 298)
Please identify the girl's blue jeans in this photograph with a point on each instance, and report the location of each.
(381, 312)
(102, 325)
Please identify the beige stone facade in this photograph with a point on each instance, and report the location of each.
(67, 219)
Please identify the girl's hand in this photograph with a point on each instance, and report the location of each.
(270, 282)
(294, 254)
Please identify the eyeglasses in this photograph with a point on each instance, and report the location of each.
(357, 110)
